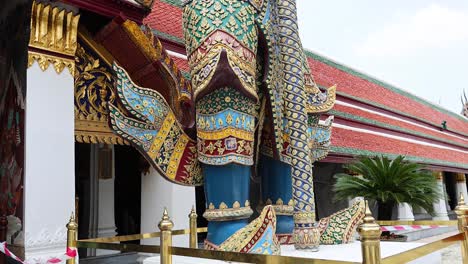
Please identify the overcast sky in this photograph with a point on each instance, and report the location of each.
(419, 46)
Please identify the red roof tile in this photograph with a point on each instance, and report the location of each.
(166, 18)
(327, 75)
(357, 140)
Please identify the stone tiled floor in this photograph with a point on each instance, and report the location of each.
(450, 255)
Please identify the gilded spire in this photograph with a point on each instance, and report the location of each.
(72, 225)
(461, 200)
(368, 218)
(165, 224)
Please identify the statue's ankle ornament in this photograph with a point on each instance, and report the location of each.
(306, 235)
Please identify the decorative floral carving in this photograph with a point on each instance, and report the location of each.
(93, 86)
(46, 239)
(44, 61)
(93, 91)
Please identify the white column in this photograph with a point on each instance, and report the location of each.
(461, 186)
(106, 201)
(49, 196)
(106, 219)
(405, 212)
(440, 208)
(106, 222)
(157, 193)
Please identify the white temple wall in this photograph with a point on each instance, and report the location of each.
(49, 161)
(157, 193)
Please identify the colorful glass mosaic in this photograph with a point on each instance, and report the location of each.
(339, 228)
(258, 237)
(225, 128)
(155, 131)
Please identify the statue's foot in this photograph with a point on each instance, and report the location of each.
(306, 238)
(258, 237)
(306, 235)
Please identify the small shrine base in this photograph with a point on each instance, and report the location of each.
(347, 252)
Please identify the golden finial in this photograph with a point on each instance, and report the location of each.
(369, 226)
(461, 201)
(193, 213)
(368, 218)
(461, 206)
(193, 241)
(165, 224)
(462, 213)
(72, 225)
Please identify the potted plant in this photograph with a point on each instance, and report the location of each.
(388, 182)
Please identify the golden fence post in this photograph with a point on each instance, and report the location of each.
(462, 217)
(166, 225)
(72, 235)
(193, 228)
(370, 233)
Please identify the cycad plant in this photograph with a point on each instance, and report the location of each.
(388, 182)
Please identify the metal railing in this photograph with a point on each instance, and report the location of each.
(369, 231)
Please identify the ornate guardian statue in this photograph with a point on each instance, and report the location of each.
(250, 74)
(257, 111)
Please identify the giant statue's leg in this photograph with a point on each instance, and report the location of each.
(228, 207)
(277, 191)
(225, 130)
(221, 40)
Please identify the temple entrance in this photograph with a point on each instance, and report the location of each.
(451, 188)
(323, 187)
(108, 192)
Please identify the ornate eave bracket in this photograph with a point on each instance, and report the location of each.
(53, 38)
(89, 130)
(321, 102)
(93, 91)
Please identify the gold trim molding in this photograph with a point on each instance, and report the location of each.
(44, 62)
(53, 31)
(227, 214)
(280, 207)
(144, 42)
(96, 131)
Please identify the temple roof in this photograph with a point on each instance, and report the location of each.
(135, 10)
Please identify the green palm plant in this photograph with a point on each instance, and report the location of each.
(388, 182)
